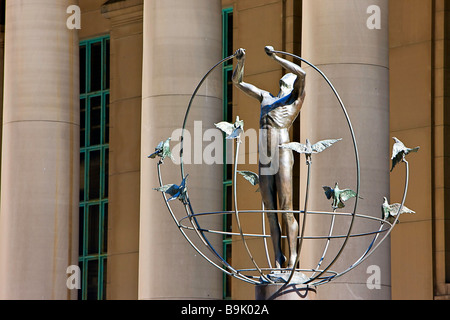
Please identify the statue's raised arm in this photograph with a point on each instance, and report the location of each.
(299, 84)
(238, 76)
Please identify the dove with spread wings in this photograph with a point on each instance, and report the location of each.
(399, 152)
(390, 211)
(339, 196)
(175, 191)
(232, 130)
(309, 149)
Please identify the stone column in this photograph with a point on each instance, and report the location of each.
(40, 152)
(182, 41)
(337, 39)
(2, 56)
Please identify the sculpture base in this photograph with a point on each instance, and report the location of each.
(279, 291)
(283, 277)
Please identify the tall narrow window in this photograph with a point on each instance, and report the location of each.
(227, 38)
(94, 159)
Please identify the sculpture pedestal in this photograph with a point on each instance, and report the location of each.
(278, 291)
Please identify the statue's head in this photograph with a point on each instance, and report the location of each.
(287, 83)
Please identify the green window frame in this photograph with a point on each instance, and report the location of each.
(227, 50)
(94, 166)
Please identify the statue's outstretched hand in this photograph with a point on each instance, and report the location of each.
(269, 51)
(240, 53)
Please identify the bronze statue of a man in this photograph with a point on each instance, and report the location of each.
(277, 115)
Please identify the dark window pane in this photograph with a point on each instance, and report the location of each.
(83, 123)
(105, 228)
(95, 121)
(107, 62)
(82, 69)
(93, 229)
(92, 280)
(228, 278)
(94, 175)
(229, 204)
(106, 127)
(82, 168)
(80, 292)
(104, 278)
(229, 175)
(229, 34)
(106, 174)
(2, 11)
(96, 66)
(81, 231)
(229, 94)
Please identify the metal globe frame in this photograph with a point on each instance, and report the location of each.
(318, 275)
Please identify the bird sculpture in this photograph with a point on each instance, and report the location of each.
(399, 152)
(339, 196)
(162, 150)
(390, 211)
(309, 149)
(251, 177)
(175, 191)
(232, 130)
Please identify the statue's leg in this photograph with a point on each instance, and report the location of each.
(284, 187)
(267, 188)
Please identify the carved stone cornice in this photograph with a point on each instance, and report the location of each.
(122, 12)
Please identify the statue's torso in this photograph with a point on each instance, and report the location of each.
(278, 112)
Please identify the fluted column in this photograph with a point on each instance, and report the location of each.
(40, 152)
(349, 43)
(182, 41)
(2, 56)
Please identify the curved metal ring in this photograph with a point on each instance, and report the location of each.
(317, 237)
